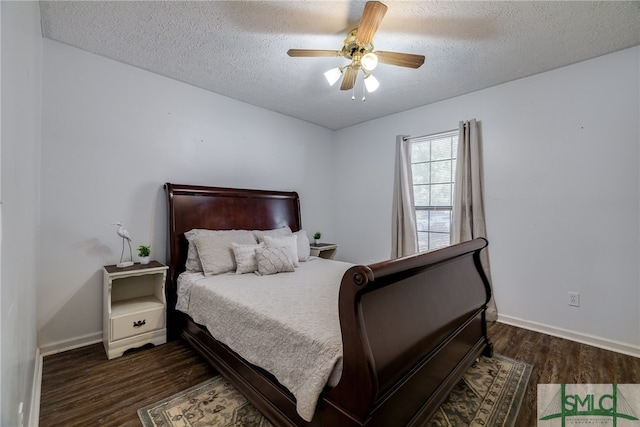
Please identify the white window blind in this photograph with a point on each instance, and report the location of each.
(433, 164)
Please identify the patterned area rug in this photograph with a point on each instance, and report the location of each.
(489, 395)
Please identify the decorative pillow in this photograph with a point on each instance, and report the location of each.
(304, 251)
(289, 242)
(273, 260)
(215, 249)
(276, 232)
(245, 256)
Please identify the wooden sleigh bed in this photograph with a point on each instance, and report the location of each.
(410, 326)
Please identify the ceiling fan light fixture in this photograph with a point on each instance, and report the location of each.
(371, 83)
(333, 75)
(369, 61)
(358, 48)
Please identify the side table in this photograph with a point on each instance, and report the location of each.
(134, 312)
(324, 250)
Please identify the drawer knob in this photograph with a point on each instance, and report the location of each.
(139, 323)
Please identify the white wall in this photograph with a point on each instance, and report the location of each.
(562, 193)
(20, 156)
(112, 136)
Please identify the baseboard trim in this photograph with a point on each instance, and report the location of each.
(606, 344)
(34, 409)
(70, 344)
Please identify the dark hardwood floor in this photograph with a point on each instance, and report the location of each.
(558, 361)
(82, 388)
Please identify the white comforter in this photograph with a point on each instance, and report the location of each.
(286, 323)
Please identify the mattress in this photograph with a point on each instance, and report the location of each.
(285, 323)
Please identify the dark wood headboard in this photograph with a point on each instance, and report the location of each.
(190, 207)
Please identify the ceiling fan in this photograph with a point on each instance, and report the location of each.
(358, 48)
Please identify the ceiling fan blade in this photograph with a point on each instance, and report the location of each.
(401, 59)
(307, 53)
(349, 79)
(371, 18)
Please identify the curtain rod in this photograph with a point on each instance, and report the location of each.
(430, 135)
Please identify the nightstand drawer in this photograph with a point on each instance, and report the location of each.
(137, 323)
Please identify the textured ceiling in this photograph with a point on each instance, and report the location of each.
(238, 48)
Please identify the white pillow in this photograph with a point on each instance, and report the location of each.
(276, 232)
(193, 264)
(215, 249)
(245, 256)
(273, 260)
(289, 242)
(304, 251)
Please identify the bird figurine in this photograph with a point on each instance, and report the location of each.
(125, 236)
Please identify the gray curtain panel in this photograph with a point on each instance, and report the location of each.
(468, 203)
(404, 231)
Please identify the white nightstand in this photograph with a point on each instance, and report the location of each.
(134, 307)
(324, 250)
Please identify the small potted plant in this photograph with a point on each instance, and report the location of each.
(143, 253)
(316, 237)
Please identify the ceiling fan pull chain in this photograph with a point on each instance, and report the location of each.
(353, 93)
(364, 98)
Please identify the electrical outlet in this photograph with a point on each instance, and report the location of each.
(574, 299)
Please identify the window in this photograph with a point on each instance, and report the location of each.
(433, 164)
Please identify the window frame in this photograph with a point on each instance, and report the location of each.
(431, 208)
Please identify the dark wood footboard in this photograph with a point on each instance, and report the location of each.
(410, 326)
